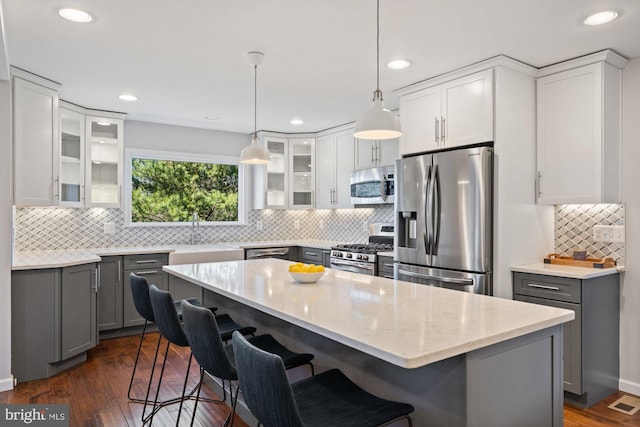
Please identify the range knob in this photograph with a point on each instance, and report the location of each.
(365, 257)
(349, 255)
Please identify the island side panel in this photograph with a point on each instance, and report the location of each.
(518, 382)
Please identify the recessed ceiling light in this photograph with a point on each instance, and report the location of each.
(601, 17)
(296, 122)
(398, 64)
(75, 15)
(211, 117)
(128, 97)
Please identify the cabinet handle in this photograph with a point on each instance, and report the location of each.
(119, 271)
(98, 274)
(386, 264)
(538, 182)
(56, 188)
(311, 253)
(373, 156)
(378, 152)
(147, 261)
(386, 276)
(142, 273)
(442, 137)
(548, 288)
(436, 131)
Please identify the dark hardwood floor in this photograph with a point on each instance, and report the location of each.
(96, 391)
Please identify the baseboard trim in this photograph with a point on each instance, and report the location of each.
(6, 384)
(629, 387)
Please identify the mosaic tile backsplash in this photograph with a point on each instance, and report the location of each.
(60, 228)
(574, 229)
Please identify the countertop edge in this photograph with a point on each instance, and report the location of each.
(565, 271)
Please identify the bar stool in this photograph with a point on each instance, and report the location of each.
(140, 292)
(326, 399)
(215, 358)
(168, 321)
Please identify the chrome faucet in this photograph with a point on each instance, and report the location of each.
(195, 227)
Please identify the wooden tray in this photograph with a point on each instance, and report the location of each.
(590, 262)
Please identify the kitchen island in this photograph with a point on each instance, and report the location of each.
(460, 359)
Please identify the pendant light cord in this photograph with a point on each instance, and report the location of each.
(255, 101)
(378, 47)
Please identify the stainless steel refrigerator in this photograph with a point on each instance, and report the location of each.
(444, 218)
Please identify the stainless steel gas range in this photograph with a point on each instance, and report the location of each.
(361, 257)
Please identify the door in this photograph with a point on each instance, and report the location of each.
(35, 134)
(344, 161)
(479, 283)
(459, 209)
(104, 160)
(110, 294)
(277, 185)
(420, 121)
(71, 182)
(78, 312)
(154, 276)
(302, 173)
(327, 163)
(412, 240)
(365, 156)
(467, 110)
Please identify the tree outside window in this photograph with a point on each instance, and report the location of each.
(169, 191)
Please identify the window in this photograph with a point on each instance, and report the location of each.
(167, 188)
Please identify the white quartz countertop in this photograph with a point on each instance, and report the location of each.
(31, 260)
(406, 324)
(565, 270)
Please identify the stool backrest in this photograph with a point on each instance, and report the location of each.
(265, 385)
(202, 332)
(167, 320)
(141, 301)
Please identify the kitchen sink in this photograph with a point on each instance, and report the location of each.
(204, 253)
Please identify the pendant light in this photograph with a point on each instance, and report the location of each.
(255, 153)
(378, 122)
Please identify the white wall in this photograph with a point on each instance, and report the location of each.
(154, 136)
(630, 299)
(6, 379)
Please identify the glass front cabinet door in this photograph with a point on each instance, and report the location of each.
(104, 162)
(302, 172)
(72, 148)
(277, 185)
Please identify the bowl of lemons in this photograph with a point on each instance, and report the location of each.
(306, 273)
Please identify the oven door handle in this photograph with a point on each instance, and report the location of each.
(451, 280)
(363, 265)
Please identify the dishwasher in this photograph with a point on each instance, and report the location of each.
(281, 253)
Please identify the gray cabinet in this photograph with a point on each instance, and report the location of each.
(53, 319)
(181, 289)
(149, 266)
(110, 293)
(78, 309)
(385, 266)
(591, 341)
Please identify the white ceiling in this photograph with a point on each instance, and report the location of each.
(187, 59)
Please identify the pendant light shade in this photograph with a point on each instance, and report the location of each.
(255, 153)
(378, 122)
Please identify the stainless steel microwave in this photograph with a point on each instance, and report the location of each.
(373, 186)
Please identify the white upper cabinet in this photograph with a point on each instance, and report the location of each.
(335, 161)
(104, 161)
(578, 135)
(371, 153)
(72, 148)
(277, 183)
(35, 141)
(454, 113)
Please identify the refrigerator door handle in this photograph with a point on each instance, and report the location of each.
(426, 230)
(437, 214)
(449, 280)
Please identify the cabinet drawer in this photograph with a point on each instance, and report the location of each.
(312, 255)
(145, 262)
(385, 266)
(550, 287)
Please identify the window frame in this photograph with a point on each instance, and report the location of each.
(138, 153)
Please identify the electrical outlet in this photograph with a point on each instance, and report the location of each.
(259, 225)
(109, 228)
(296, 224)
(321, 224)
(608, 233)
